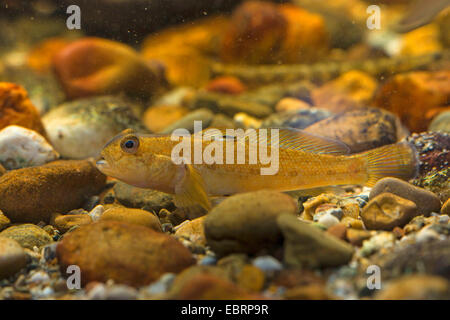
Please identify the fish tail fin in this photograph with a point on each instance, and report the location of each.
(399, 160)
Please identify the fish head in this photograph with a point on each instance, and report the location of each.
(124, 158)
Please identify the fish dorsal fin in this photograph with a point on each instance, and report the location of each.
(288, 138)
(295, 139)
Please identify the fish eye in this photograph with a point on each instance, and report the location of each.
(130, 144)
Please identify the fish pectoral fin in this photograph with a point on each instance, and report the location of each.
(295, 139)
(190, 190)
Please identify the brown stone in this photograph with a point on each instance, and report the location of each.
(416, 97)
(387, 211)
(185, 49)
(338, 230)
(425, 200)
(416, 287)
(157, 118)
(273, 34)
(132, 216)
(193, 230)
(12, 257)
(360, 129)
(126, 253)
(246, 222)
(209, 287)
(251, 278)
(309, 292)
(307, 246)
(17, 109)
(27, 235)
(41, 56)
(356, 236)
(351, 90)
(66, 222)
(34, 194)
(94, 66)
(226, 84)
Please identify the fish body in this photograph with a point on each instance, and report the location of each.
(302, 161)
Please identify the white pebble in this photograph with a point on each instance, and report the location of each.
(21, 147)
(97, 212)
(427, 234)
(328, 220)
(39, 276)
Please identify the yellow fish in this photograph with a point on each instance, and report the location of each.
(304, 161)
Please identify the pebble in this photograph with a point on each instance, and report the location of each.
(66, 222)
(246, 222)
(426, 201)
(298, 119)
(146, 199)
(338, 230)
(268, 264)
(39, 276)
(48, 252)
(193, 230)
(377, 242)
(306, 245)
(356, 237)
(114, 292)
(12, 257)
(208, 261)
(34, 194)
(327, 219)
(441, 122)
(291, 104)
(226, 84)
(27, 235)
(132, 216)
(21, 147)
(80, 129)
(387, 211)
(126, 253)
(427, 234)
(250, 278)
(96, 212)
(230, 105)
(161, 286)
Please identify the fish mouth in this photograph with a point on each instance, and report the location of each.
(103, 165)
